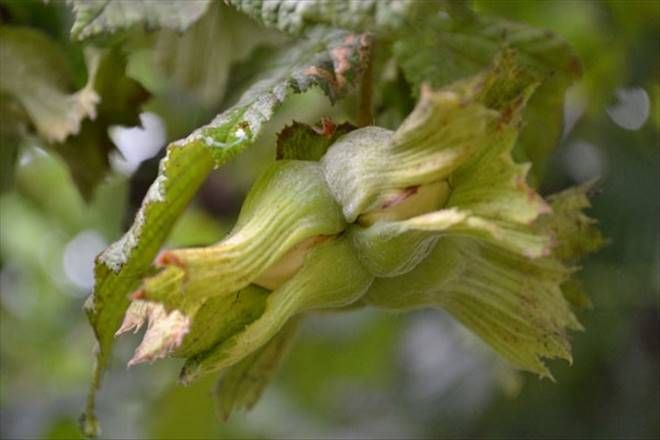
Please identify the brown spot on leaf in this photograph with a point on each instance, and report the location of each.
(342, 64)
(345, 69)
(322, 74)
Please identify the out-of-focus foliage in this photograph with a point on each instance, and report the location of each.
(35, 73)
(379, 16)
(34, 79)
(448, 50)
(360, 373)
(95, 17)
(166, 61)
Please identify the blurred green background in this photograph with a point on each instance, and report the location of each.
(363, 374)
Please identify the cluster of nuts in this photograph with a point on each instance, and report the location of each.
(434, 214)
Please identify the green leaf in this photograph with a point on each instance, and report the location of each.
(333, 60)
(449, 49)
(241, 385)
(382, 16)
(119, 268)
(94, 17)
(313, 61)
(300, 141)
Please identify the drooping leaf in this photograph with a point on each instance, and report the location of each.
(381, 16)
(332, 60)
(121, 99)
(94, 17)
(300, 141)
(241, 385)
(221, 37)
(448, 49)
(118, 268)
(36, 77)
(35, 73)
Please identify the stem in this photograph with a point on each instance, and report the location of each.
(365, 115)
